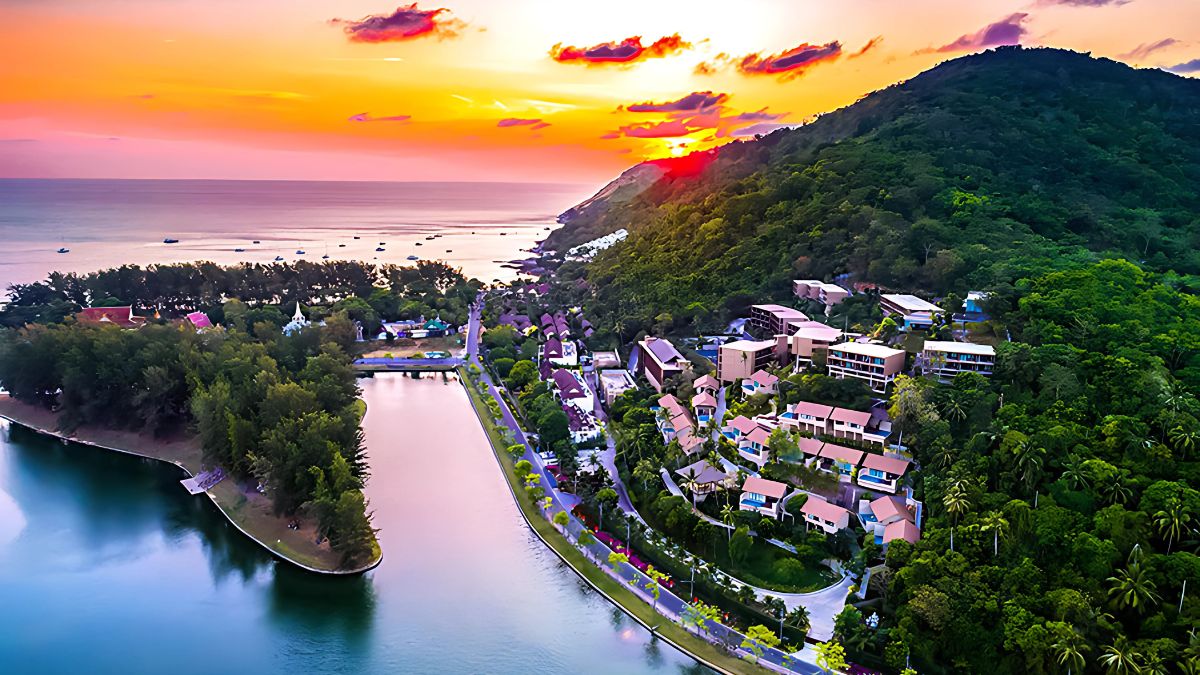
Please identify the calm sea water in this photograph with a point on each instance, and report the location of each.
(110, 222)
(108, 566)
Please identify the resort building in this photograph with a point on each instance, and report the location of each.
(810, 449)
(828, 517)
(874, 364)
(659, 360)
(909, 311)
(606, 360)
(825, 420)
(885, 512)
(671, 417)
(901, 529)
(707, 478)
(754, 445)
(582, 425)
(762, 496)
(572, 390)
(689, 442)
(827, 294)
(761, 382)
(563, 354)
(117, 316)
(706, 384)
(199, 321)
(738, 427)
(767, 321)
(840, 461)
(740, 359)
(883, 473)
(807, 339)
(944, 360)
(810, 417)
(613, 383)
(704, 407)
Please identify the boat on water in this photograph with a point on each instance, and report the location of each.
(357, 237)
(278, 258)
(449, 250)
(325, 257)
(256, 242)
(64, 250)
(502, 234)
(412, 257)
(299, 251)
(341, 246)
(419, 243)
(380, 249)
(239, 250)
(169, 240)
(429, 238)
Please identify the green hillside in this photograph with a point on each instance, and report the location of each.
(980, 171)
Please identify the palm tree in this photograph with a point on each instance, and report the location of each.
(1114, 490)
(1132, 588)
(942, 456)
(727, 512)
(1070, 649)
(1120, 658)
(691, 485)
(799, 618)
(996, 524)
(956, 503)
(954, 411)
(1184, 440)
(1029, 463)
(1074, 473)
(1172, 521)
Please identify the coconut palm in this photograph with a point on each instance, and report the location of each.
(799, 618)
(1132, 588)
(1030, 459)
(1114, 490)
(1120, 658)
(691, 485)
(1074, 474)
(1184, 440)
(1069, 650)
(1172, 521)
(996, 524)
(727, 512)
(956, 502)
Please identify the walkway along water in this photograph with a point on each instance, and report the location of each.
(668, 604)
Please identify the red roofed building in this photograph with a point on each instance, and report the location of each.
(116, 316)
(828, 517)
(882, 473)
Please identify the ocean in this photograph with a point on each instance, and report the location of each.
(105, 223)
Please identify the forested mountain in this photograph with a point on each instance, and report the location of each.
(982, 170)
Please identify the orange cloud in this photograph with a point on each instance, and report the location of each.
(406, 23)
(626, 51)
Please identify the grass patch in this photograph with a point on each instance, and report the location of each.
(618, 592)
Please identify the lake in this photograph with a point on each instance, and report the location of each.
(107, 565)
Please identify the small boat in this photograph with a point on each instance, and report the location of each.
(325, 257)
(429, 238)
(257, 241)
(503, 234)
(278, 258)
(64, 250)
(437, 236)
(412, 257)
(449, 250)
(357, 237)
(383, 243)
(169, 240)
(239, 250)
(299, 251)
(380, 249)
(341, 246)
(419, 243)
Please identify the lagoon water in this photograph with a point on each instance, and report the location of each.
(106, 223)
(107, 565)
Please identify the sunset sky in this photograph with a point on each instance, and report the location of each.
(555, 90)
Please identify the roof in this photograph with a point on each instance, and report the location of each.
(689, 441)
(810, 446)
(706, 381)
(547, 319)
(568, 386)
(703, 471)
(742, 424)
(759, 435)
(118, 316)
(867, 349)
(842, 453)
(960, 348)
(852, 416)
(781, 311)
(819, 508)
(902, 529)
(815, 330)
(663, 351)
(617, 378)
(669, 402)
(199, 320)
(553, 349)
(706, 400)
(762, 486)
(764, 379)
(910, 303)
(814, 409)
(749, 345)
(888, 508)
(892, 465)
(681, 421)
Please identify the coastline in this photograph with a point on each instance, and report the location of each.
(229, 511)
(570, 556)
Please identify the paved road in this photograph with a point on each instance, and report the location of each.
(668, 603)
(400, 362)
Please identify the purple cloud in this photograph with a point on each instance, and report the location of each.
(1007, 31)
(406, 23)
(792, 63)
(522, 122)
(760, 128)
(1144, 50)
(367, 117)
(1186, 68)
(693, 102)
(626, 51)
